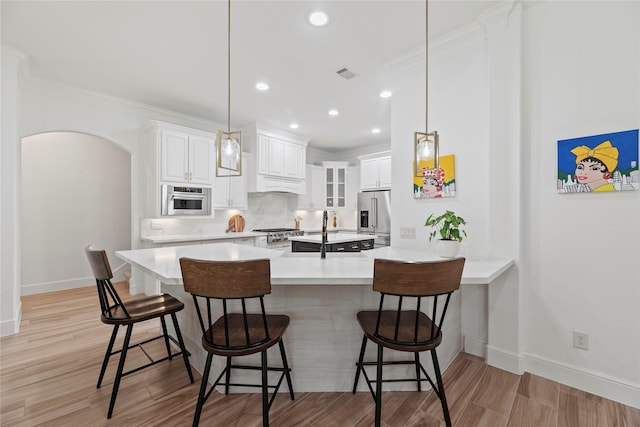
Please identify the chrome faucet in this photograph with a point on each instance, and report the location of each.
(323, 246)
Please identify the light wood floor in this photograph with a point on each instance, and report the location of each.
(49, 372)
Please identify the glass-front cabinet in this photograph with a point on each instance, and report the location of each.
(335, 178)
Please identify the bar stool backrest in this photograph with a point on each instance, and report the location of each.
(111, 305)
(208, 281)
(414, 280)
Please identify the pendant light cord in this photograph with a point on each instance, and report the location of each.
(228, 65)
(426, 67)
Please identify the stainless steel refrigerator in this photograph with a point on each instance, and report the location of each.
(374, 215)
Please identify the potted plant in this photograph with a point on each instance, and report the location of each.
(448, 227)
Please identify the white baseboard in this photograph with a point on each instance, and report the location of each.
(583, 379)
(12, 327)
(119, 274)
(40, 288)
(505, 359)
(475, 347)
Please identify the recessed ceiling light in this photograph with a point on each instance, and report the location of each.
(375, 130)
(262, 86)
(333, 112)
(294, 126)
(318, 19)
(385, 94)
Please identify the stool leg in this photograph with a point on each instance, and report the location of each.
(417, 362)
(285, 365)
(359, 364)
(107, 355)
(203, 390)
(265, 391)
(116, 383)
(441, 395)
(227, 376)
(379, 387)
(183, 349)
(166, 336)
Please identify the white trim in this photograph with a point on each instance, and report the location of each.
(597, 383)
(12, 327)
(475, 346)
(119, 274)
(584, 379)
(505, 359)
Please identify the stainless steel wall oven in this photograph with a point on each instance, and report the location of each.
(181, 200)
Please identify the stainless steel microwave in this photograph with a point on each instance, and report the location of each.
(180, 200)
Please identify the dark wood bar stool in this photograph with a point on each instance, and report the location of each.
(408, 330)
(118, 313)
(242, 283)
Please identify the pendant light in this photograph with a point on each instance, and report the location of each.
(229, 143)
(425, 144)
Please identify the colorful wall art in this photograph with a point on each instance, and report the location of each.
(599, 163)
(436, 183)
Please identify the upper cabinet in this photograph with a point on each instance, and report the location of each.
(335, 183)
(314, 196)
(186, 156)
(230, 192)
(277, 160)
(375, 171)
(175, 155)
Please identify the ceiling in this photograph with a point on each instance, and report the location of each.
(173, 55)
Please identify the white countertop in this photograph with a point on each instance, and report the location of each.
(172, 238)
(300, 268)
(334, 238)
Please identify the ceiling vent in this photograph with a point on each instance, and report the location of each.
(346, 74)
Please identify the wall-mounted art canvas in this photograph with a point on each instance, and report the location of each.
(436, 183)
(599, 163)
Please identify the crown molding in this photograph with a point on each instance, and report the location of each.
(489, 22)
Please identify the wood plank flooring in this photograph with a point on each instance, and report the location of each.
(48, 375)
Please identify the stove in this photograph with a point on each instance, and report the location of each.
(279, 237)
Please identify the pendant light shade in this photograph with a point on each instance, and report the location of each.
(426, 144)
(229, 143)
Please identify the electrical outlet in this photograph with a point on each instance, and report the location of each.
(407, 232)
(581, 340)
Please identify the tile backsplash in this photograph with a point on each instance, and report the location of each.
(266, 210)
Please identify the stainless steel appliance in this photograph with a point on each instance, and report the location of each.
(180, 200)
(278, 238)
(374, 215)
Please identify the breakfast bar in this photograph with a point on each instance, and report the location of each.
(321, 296)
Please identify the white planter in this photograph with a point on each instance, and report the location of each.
(447, 248)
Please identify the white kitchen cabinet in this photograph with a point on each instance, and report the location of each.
(230, 192)
(186, 157)
(314, 196)
(375, 172)
(335, 184)
(353, 186)
(175, 155)
(277, 161)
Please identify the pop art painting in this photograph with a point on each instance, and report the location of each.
(599, 163)
(435, 184)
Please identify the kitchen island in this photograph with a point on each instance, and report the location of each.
(322, 297)
(340, 242)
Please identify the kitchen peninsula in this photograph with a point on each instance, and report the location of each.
(322, 297)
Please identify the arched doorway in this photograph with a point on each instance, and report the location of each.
(76, 190)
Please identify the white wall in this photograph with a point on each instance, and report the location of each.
(10, 308)
(501, 98)
(76, 190)
(581, 76)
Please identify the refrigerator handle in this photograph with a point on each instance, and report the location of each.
(374, 205)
